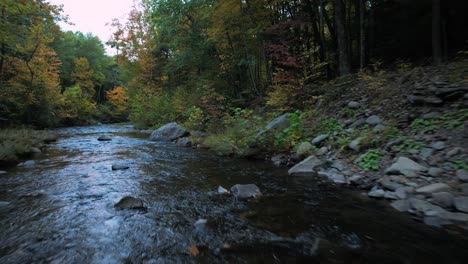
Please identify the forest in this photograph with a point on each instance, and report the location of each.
(235, 131)
(196, 62)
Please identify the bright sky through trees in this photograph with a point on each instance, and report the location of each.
(93, 15)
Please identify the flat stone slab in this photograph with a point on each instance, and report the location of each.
(461, 203)
(405, 167)
(307, 167)
(401, 205)
(433, 188)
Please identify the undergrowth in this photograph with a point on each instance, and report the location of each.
(15, 143)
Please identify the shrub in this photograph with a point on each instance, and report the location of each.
(371, 160)
(149, 110)
(238, 135)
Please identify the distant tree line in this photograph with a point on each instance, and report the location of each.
(49, 77)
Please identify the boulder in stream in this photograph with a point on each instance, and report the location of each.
(104, 138)
(244, 191)
(129, 202)
(169, 132)
(120, 167)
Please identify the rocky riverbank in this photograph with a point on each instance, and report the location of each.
(404, 141)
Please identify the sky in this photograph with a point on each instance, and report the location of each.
(93, 15)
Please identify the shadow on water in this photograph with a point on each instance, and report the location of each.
(61, 211)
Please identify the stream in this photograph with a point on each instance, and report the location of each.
(61, 210)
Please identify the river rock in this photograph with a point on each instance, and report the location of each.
(184, 142)
(453, 152)
(168, 132)
(379, 128)
(355, 179)
(405, 167)
(222, 190)
(2, 172)
(120, 167)
(461, 203)
(28, 163)
(439, 145)
(462, 175)
(307, 167)
(376, 193)
(421, 100)
(358, 123)
(373, 120)
(435, 172)
(425, 153)
(431, 115)
(304, 149)
(104, 138)
(355, 144)
(280, 159)
(433, 188)
(36, 150)
(243, 191)
(354, 105)
(424, 206)
(391, 196)
(444, 199)
(280, 123)
(402, 192)
(319, 139)
(454, 217)
(333, 176)
(322, 151)
(390, 185)
(401, 205)
(129, 202)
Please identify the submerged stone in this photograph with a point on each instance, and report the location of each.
(129, 202)
(243, 191)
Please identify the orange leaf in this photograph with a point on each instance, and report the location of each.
(194, 251)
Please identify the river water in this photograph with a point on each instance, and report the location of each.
(61, 210)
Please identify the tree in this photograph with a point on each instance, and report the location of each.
(436, 32)
(344, 63)
(83, 76)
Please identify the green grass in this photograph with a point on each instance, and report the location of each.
(17, 143)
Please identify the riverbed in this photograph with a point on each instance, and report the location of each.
(61, 210)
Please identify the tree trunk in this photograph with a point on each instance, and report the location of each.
(362, 34)
(436, 33)
(344, 66)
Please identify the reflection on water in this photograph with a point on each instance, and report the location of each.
(61, 211)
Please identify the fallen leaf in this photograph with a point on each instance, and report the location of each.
(194, 251)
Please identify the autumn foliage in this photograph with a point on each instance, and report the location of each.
(119, 99)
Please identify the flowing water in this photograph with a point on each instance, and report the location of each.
(61, 210)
